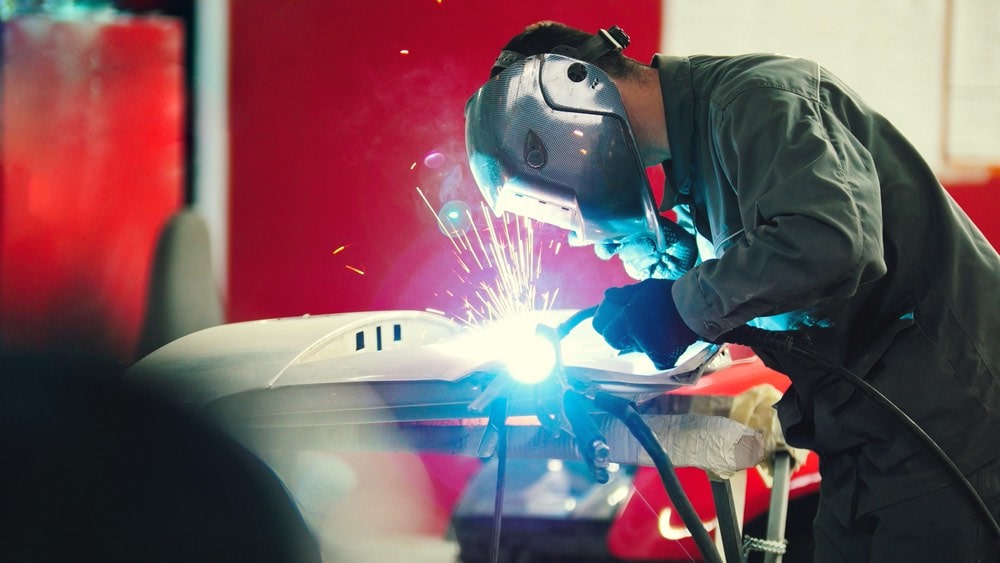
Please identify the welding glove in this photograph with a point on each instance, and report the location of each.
(643, 317)
(643, 261)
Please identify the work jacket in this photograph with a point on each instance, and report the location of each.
(822, 218)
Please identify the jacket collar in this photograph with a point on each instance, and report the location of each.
(678, 107)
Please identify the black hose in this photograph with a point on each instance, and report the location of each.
(784, 342)
(625, 411)
(575, 319)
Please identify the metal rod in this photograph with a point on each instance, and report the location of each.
(499, 415)
(729, 528)
(778, 512)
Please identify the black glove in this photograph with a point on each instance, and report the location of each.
(643, 317)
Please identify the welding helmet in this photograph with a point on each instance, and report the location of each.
(548, 138)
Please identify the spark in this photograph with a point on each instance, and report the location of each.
(404, 51)
(499, 263)
(340, 249)
(479, 239)
(445, 229)
(508, 253)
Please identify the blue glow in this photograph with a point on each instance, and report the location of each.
(455, 218)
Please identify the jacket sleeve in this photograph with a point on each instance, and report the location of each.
(810, 206)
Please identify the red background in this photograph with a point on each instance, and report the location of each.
(327, 119)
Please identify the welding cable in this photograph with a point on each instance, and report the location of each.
(625, 411)
(784, 343)
(574, 320)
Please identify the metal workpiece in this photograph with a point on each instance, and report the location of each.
(715, 444)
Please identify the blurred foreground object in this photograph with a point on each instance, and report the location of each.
(95, 468)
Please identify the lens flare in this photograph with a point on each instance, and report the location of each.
(434, 160)
(456, 218)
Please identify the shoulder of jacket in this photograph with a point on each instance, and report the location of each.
(727, 78)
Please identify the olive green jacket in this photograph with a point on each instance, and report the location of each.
(821, 215)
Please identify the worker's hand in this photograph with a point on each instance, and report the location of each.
(643, 317)
(641, 259)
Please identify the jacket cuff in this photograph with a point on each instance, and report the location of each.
(695, 309)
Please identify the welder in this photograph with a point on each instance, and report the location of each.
(797, 208)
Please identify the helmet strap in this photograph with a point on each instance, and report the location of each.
(602, 43)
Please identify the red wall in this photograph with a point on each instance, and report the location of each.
(981, 201)
(328, 117)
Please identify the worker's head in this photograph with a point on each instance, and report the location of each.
(548, 136)
(552, 37)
